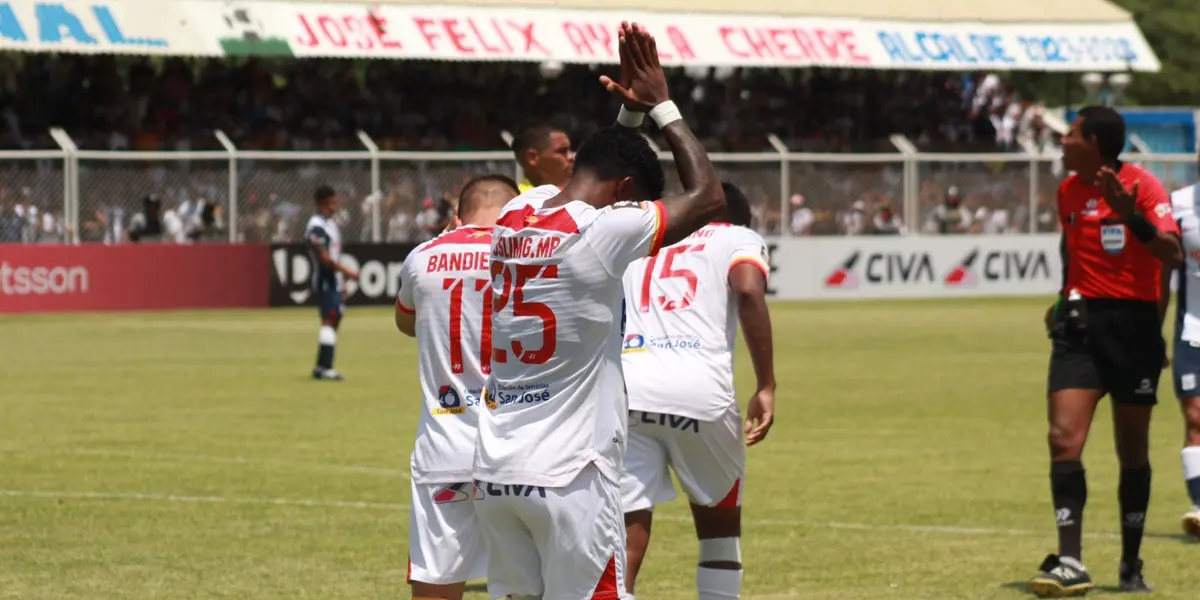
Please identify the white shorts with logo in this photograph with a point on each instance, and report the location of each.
(445, 542)
(555, 543)
(709, 458)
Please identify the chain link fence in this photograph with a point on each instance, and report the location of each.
(394, 197)
(32, 198)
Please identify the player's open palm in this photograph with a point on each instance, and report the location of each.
(760, 415)
(642, 84)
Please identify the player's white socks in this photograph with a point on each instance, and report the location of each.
(718, 584)
(326, 340)
(1191, 472)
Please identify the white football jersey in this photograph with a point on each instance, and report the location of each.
(556, 399)
(445, 282)
(681, 323)
(1184, 205)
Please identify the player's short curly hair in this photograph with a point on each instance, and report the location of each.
(737, 207)
(618, 152)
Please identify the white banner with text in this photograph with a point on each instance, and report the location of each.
(915, 267)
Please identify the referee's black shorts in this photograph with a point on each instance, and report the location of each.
(1121, 351)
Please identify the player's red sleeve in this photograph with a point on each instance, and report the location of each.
(1155, 205)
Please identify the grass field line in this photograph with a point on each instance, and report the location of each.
(215, 459)
(932, 529)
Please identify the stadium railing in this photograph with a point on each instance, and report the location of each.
(93, 194)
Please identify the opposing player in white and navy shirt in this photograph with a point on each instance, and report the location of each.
(682, 312)
(548, 458)
(445, 303)
(324, 240)
(1185, 205)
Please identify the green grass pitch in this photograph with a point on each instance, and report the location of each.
(188, 455)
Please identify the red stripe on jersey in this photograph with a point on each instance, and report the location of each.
(606, 588)
(408, 578)
(732, 500)
(750, 261)
(404, 309)
(557, 220)
(463, 235)
(660, 228)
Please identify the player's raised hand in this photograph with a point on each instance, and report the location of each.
(643, 84)
(760, 415)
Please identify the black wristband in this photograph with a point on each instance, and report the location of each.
(1142, 228)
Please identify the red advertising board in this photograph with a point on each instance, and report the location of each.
(47, 279)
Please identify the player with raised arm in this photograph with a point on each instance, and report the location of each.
(324, 239)
(548, 459)
(444, 302)
(683, 307)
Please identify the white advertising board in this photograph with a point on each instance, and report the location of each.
(831, 268)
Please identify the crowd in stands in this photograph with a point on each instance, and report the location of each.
(134, 103)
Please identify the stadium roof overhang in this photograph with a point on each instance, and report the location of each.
(1029, 35)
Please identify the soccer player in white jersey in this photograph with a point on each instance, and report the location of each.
(445, 303)
(1185, 205)
(548, 458)
(682, 311)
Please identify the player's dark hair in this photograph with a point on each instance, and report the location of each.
(469, 203)
(619, 152)
(530, 137)
(1109, 128)
(323, 193)
(737, 207)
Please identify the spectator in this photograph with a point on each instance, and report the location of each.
(803, 217)
(147, 226)
(12, 225)
(854, 221)
(886, 222)
(951, 217)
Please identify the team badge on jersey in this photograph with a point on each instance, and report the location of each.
(633, 343)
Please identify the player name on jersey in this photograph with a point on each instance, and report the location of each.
(523, 247)
(458, 261)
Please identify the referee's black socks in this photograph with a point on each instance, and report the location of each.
(1134, 497)
(1068, 484)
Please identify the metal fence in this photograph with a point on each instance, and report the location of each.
(84, 196)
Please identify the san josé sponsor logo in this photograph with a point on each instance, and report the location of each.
(532, 393)
(58, 280)
(636, 342)
(451, 402)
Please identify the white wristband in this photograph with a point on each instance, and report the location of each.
(664, 114)
(629, 118)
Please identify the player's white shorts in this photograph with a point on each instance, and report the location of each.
(445, 542)
(709, 458)
(555, 543)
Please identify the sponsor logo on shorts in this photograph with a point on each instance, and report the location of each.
(451, 403)
(1145, 388)
(497, 490)
(533, 393)
(456, 492)
(676, 422)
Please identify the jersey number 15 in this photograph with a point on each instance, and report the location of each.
(669, 271)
